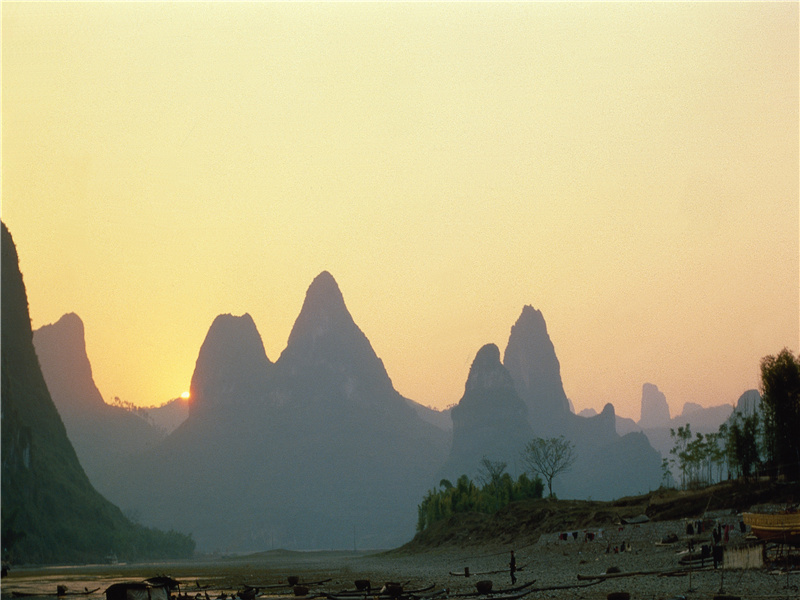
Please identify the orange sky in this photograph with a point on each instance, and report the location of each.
(629, 169)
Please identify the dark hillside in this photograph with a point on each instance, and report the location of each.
(523, 522)
(50, 511)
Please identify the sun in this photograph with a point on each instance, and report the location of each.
(186, 395)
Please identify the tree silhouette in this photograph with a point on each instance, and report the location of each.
(548, 458)
(780, 391)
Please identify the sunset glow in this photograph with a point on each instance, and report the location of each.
(631, 170)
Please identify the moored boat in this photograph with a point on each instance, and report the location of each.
(776, 527)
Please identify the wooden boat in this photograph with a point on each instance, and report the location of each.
(781, 527)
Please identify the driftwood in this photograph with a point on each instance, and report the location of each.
(510, 590)
(392, 590)
(278, 586)
(565, 586)
(660, 573)
(467, 573)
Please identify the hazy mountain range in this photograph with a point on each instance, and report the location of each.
(656, 422)
(317, 449)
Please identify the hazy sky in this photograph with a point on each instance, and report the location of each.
(631, 170)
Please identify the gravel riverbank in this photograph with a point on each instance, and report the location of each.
(551, 561)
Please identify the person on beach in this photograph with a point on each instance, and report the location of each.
(512, 567)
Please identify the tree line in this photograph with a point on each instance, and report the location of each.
(495, 488)
(766, 441)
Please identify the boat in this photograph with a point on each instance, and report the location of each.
(783, 527)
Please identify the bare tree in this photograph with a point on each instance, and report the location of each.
(490, 474)
(549, 457)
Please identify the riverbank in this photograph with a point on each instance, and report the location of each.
(551, 560)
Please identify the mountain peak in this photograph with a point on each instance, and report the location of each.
(324, 285)
(231, 363)
(67, 331)
(530, 358)
(324, 322)
(487, 371)
(323, 309)
(655, 409)
(61, 350)
(490, 419)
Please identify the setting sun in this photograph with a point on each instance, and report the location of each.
(185, 395)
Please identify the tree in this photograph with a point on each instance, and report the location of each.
(742, 443)
(548, 458)
(682, 438)
(780, 404)
(465, 496)
(490, 475)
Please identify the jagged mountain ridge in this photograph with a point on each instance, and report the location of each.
(530, 378)
(266, 446)
(302, 453)
(700, 419)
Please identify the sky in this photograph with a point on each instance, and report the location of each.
(631, 170)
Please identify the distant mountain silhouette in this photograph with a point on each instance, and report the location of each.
(314, 451)
(102, 435)
(749, 402)
(440, 418)
(168, 416)
(490, 419)
(655, 410)
(530, 358)
(657, 427)
(231, 368)
(318, 450)
(50, 511)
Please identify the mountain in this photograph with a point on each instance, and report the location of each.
(748, 403)
(440, 418)
(102, 434)
(655, 410)
(700, 419)
(530, 358)
(490, 419)
(703, 419)
(232, 367)
(50, 511)
(316, 450)
(168, 416)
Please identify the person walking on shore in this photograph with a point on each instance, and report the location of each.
(512, 567)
